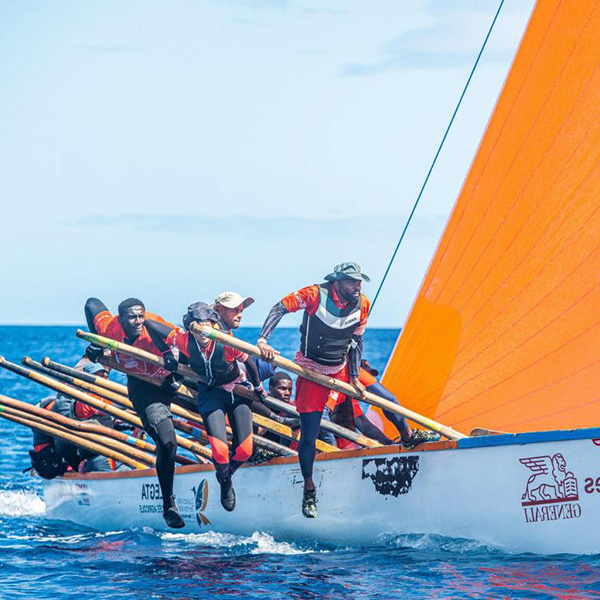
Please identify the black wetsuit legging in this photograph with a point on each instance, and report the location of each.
(213, 404)
(371, 431)
(152, 406)
(310, 424)
(397, 420)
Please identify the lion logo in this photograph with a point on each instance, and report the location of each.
(550, 480)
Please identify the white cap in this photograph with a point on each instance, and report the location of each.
(233, 300)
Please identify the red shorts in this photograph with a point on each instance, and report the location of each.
(357, 408)
(312, 397)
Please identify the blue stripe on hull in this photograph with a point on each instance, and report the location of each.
(530, 437)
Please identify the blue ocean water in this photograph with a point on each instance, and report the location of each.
(40, 558)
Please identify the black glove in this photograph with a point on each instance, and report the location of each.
(94, 353)
(170, 361)
(119, 425)
(291, 422)
(172, 383)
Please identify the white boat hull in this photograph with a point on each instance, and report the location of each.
(536, 492)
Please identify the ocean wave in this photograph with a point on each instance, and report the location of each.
(21, 503)
(438, 543)
(257, 543)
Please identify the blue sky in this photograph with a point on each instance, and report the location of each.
(171, 150)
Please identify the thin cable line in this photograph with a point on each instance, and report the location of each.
(412, 212)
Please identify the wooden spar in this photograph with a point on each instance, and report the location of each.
(101, 381)
(175, 409)
(186, 413)
(82, 426)
(289, 433)
(92, 388)
(84, 385)
(110, 396)
(199, 450)
(188, 372)
(50, 420)
(357, 438)
(147, 357)
(191, 374)
(91, 427)
(283, 430)
(330, 382)
(73, 439)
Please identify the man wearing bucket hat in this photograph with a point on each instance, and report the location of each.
(220, 367)
(334, 321)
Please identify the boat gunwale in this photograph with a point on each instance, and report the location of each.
(462, 444)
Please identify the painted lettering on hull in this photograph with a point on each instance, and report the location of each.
(391, 476)
(552, 512)
(551, 492)
(151, 491)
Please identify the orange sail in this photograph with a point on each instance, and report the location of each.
(505, 331)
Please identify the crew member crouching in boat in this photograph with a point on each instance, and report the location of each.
(79, 459)
(51, 456)
(219, 366)
(335, 317)
(152, 404)
(280, 388)
(45, 458)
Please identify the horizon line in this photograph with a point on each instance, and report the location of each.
(82, 326)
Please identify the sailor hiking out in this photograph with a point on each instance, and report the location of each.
(222, 368)
(333, 324)
(152, 404)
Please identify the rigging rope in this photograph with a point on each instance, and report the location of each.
(412, 212)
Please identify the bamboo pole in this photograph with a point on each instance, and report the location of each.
(329, 382)
(101, 381)
(191, 374)
(357, 438)
(199, 450)
(85, 426)
(125, 449)
(185, 413)
(74, 439)
(91, 388)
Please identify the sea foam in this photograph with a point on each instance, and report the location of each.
(21, 503)
(257, 543)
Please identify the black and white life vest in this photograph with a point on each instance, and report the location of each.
(326, 336)
(213, 368)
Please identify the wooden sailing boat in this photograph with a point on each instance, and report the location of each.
(504, 333)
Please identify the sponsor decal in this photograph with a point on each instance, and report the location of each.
(191, 505)
(151, 498)
(592, 484)
(201, 500)
(83, 498)
(151, 491)
(551, 492)
(391, 476)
